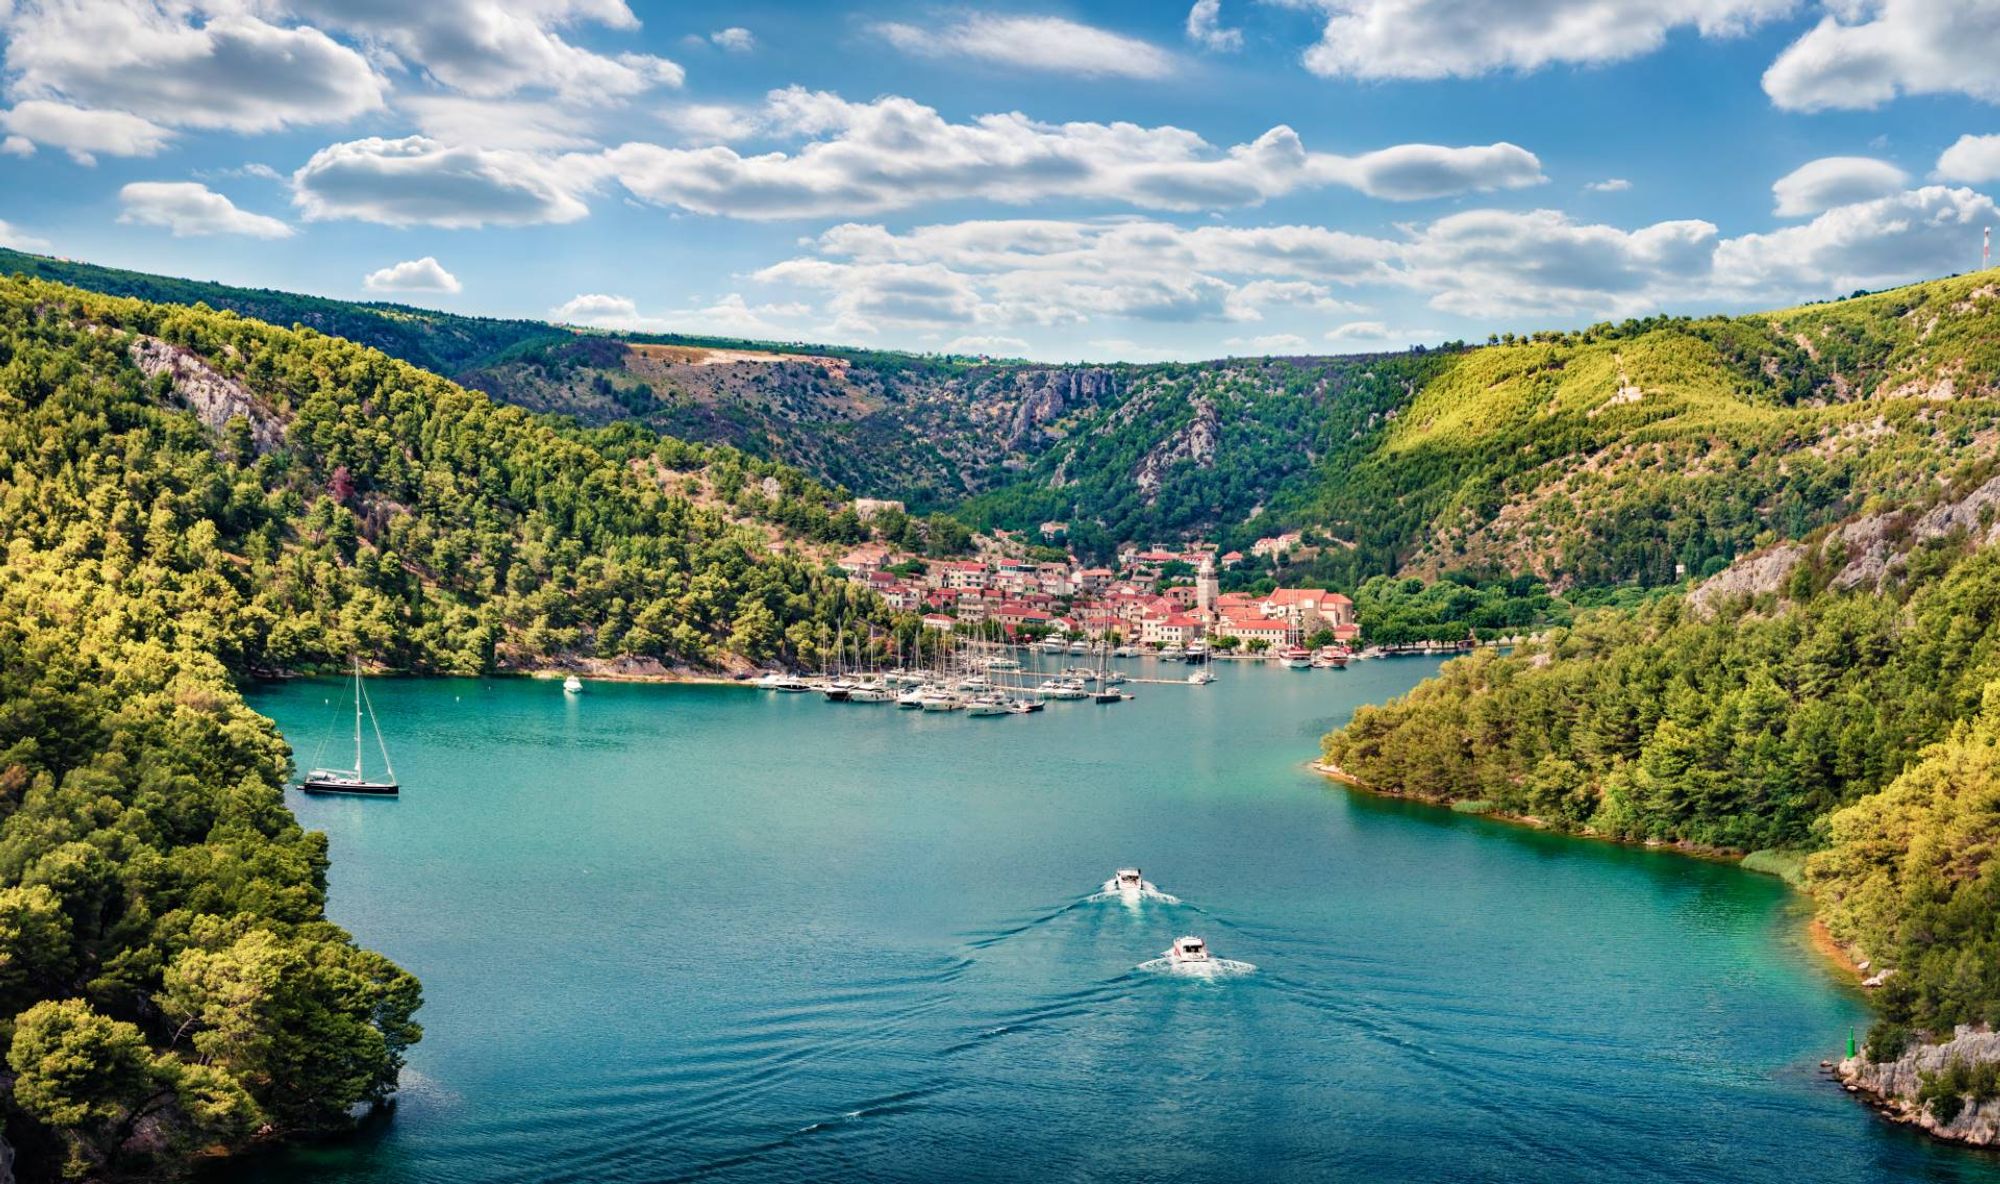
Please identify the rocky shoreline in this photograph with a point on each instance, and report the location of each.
(1890, 1087)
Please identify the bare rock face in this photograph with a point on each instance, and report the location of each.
(1044, 396)
(1752, 575)
(1892, 1086)
(215, 398)
(1196, 442)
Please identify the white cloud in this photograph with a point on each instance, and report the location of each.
(1820, 185)
(498, 123)
(413, 275)
(1609, 185)
(712, 123)
(1045, 43)
(1466, 38)
(188, 208)
(496, 48)
(1269, 343)
(14, 238)
(1973, 159)
(1204, 27)
(1866, 52)
(156, 61)
(84, 133)
(893, 153)
(17, 146)
(1487, 263)
(1379, 335)
(992, 346)
(735, 39)
(1871, 244)
(730, 316)
(419, 181)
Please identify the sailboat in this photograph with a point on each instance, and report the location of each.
(355, 780)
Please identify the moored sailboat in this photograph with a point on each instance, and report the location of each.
(355, 781)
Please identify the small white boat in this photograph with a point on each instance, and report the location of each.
(1187, 951)
(975, 685)
(1002, 662)
(1125, 651)
(791, 684)
(986, 705)
(869, 692)
(1200, 678)
(940, 701)
(572, 685)
(837, 691)
(911, 698)
(1172, 651)
(1025, 706)
(1052, 645)
(1063, 688)
(1079, 647)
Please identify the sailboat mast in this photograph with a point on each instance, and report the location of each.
(357, 715)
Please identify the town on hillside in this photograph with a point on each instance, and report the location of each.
(1166, 598)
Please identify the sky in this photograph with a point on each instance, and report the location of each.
(1036, 178)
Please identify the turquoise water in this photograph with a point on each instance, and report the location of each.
(678, 933)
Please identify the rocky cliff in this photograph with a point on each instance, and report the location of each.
(1891, 1086)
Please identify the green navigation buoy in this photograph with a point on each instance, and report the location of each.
(1851, 1050)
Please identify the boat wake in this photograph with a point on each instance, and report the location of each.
(1212, 968)
(1111, 891)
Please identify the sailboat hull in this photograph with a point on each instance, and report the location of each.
(365, 789)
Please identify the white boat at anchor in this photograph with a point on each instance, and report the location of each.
(986, 705)
(572, 685)
(940, 700)
(1063, 688)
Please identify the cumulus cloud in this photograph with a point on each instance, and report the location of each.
(1973, 159)
(14, 238)
(1869, 244)
(498, 123)
(188, 208)
(1044, 43)
(1504, 262)
(419, 181)
(893, 153)
(183, 66)
(730, 316)
(712, 123)
(1866, 52)
(412, 275)
(1609, 185)
(735, 39)
(1820, 185)
(1466, 38)
(1204, 27)
(496, 48)
(1269, 343)
(84, 133)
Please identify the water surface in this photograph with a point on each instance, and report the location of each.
(680, 933)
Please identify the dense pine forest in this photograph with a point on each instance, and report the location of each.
(187, 498)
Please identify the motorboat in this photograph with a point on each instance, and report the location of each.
(1063, 688)
(1079, 647)
(1127, 881)
(837, 691)
(791, 684)
(572, 685)
(869, 692)
(1052, 645)
(1196, 651)
(1108, 695)
(1172, 651)
(1188, 951)
(1125, 651)
(975, 684)
(939, 700)
(1026, 706)
(985, 705)
(911, 698)
(1002, 662)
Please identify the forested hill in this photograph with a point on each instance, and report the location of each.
(1836, 700)
(186, 496)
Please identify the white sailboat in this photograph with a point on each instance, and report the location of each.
(355, 780)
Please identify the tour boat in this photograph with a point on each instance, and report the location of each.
(572, 685)
(1187, 951)
(1331, 657)
(1296, 657)
(355, 780)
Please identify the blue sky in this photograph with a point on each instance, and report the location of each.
(1060, 181)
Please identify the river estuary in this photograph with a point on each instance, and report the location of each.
(678, 933)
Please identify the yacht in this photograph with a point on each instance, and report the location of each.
(1295, 657)
(1002, 662)
(1079, 647)
(1172, 651)
(869, 692)
(1196, 651)
(1108, 695)
(1127, 881)
(1332, 657)
(975, 684)
(1026, 706)
(791, 684)
(1063, 688)
(1125, 651)
(355, 781)
(572, 685)
(986, 705)
(938, 699)
(911, 698)
(1188, 951)
(837, 691)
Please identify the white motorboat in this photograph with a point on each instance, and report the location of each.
(1125, 651)
(974, 684)
(869, 692)
(837, 691)
(1172, 651)
(572, 685)
(1188, 951)
(986, 705)
(911, 698)
(938, 700)
(791, 684)
(1025, 706)
(1079, 647)
(1063, 688)
(1127, 881)
(1002, 662)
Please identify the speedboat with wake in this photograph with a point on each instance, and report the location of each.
(1188, 951)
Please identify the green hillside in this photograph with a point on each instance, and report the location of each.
(186, 497)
